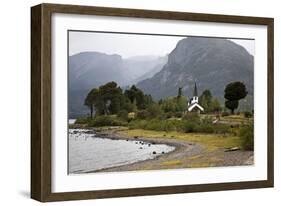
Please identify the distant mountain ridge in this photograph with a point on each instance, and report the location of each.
(83, 67)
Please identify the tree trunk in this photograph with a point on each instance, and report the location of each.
(232, 111)
(91, 111)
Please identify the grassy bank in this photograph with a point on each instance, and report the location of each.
(210, 141)
(212, 154)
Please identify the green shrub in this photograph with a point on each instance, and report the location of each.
(168, 115)
(137, 124)
(82, 120)
(157, 125)
(178, 114)
(143, 114)
(189, 127)
(153, 125)
(207, 120)
(171, 125)
(123, 114)
(175, 125)
(205, 128)
(221, 128)
(247, 137)
(154, 110)
(192, 117)
(248, 114)
(179, 125)
(100, 121)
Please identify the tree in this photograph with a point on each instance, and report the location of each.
(168, 105)
(154, 110)
(123, 114)
(148, 100)
(216, 107)
(204, 103)
(112, 98)
(180, 92)
(174, 104)
(233, 93)
(91, 98)
(130, 107)
(89, 103)
(232, 105)
(107, 99)
(181, 104)
(205, 100)
(135, 94)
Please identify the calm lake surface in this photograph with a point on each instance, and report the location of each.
(71, 121)
(88, 153)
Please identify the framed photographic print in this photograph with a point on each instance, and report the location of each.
(130, 102)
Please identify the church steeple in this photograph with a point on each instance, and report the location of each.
(195, 93)
(193, 104)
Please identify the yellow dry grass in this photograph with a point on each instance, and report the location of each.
(210, 141)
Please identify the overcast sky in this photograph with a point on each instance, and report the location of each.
(128, 45)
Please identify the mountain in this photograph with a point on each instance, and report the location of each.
(139, 66)
(210, 62)
(89, 70)
(155, 68)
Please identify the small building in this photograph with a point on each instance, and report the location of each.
(193, 104)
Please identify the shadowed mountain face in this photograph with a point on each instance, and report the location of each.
(89, 70)
(211, 62)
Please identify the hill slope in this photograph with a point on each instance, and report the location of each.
(211, 62)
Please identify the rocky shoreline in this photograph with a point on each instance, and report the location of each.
(182, 148)
(185, 155)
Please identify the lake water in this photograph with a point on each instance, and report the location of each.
(88, 153)
(71, 121)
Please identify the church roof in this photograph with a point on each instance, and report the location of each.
(192, 106)
(195, 93)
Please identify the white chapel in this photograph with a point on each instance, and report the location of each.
(193, 104)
